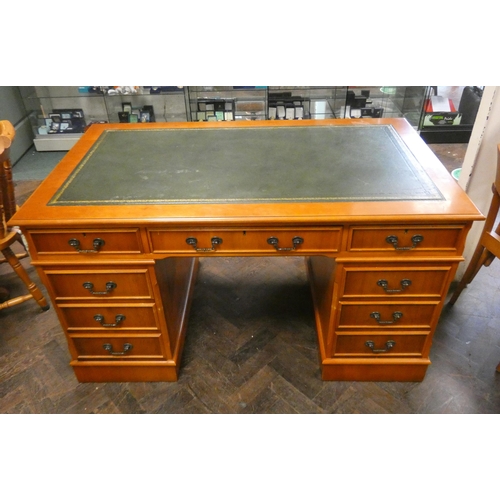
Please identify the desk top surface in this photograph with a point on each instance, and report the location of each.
(247, 165)
(320, 171)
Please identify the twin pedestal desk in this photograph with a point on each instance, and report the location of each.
(116, 231)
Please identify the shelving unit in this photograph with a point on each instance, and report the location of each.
(59, 115)
(317, 103)
(385, 102)
(449, 114)
(229, 103)
(74, 108)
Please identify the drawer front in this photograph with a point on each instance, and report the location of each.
(116, 347)
(99, 317)
(392, 282)
(378, 315)
(406, 239)
(87, 242)
(380, 345)
(261, 241)
(99, 284)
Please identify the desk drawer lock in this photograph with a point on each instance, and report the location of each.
(194, 242)
(110, 286)
(97, 244)
(297, 240)
(109, 348)
(118, 319)
(415, 239)
(395, 317)
(388, 346)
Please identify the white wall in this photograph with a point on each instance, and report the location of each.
(480, 163)
(12, 109)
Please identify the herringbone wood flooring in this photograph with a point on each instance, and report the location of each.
(251, 348)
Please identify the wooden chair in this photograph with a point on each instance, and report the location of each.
(9, 236)
(489, 243)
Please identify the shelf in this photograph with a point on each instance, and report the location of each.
(56, 142)
(216, 103)
(45, 103)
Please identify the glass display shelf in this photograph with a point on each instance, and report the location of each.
(449, 113)
(385, 102)
(299, 102)
(226, 103)
(60, 115)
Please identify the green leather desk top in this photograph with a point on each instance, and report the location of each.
(247, 165)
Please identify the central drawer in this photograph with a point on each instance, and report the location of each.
(300, 240)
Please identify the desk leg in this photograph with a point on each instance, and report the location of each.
(321, 272)
(176, 279)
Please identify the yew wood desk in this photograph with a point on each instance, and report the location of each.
(117, 228)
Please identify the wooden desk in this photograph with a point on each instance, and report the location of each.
(117, 228)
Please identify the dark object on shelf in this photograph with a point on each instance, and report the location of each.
(172, 88)
(469, 104)
(66, 121)
(355, 101)
(123, 116)
(159, 90)
(372, 112)
(149, 111)
(279, 96)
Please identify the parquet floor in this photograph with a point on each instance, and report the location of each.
(251, 348)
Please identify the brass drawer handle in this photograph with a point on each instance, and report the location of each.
(395, 315)
(297, 240)
(97, 244)
(215, 241)
(415, 239)
(405, 283)
(118, 319)
(388, 346)
(126, 348)
(110, 286)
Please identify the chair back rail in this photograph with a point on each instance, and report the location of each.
(7, 196)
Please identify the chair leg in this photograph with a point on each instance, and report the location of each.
(34, 291)
(478, 259)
